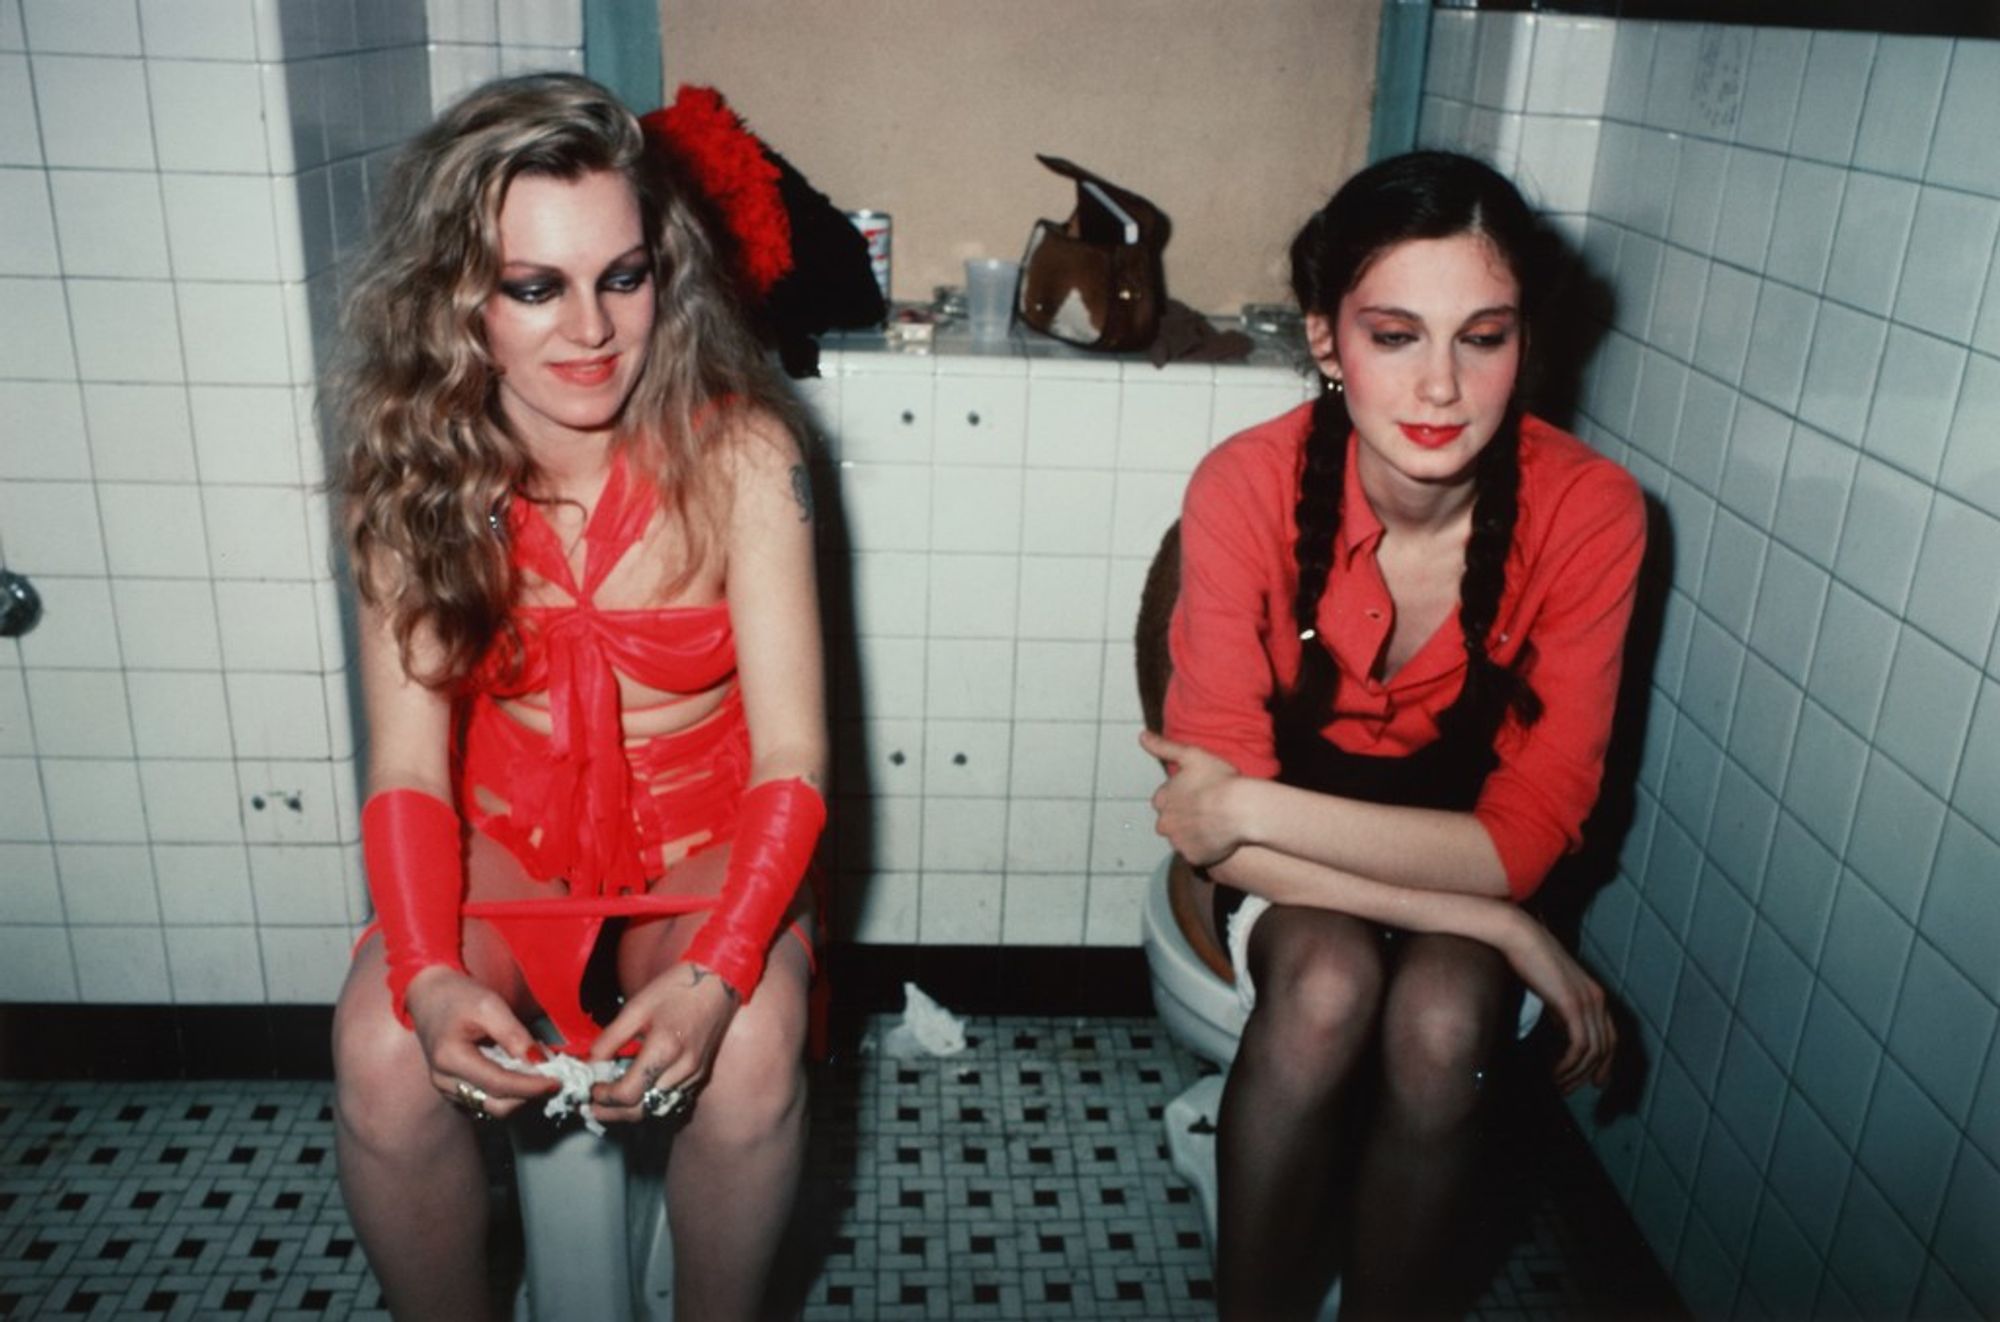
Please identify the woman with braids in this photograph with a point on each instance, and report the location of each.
(1395, 653)
(589, 638)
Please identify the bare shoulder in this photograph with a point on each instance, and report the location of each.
(765, 461)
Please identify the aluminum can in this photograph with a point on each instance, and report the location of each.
(878, 229)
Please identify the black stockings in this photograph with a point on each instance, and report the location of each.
(1311, 1164)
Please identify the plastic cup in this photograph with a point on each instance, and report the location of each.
(989, 295)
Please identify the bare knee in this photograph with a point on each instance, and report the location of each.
(756, 1088)
(381, 1083)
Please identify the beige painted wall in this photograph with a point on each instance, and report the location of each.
(1236, 117)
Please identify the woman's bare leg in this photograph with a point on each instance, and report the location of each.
(1279, 1137)
(409, 1166)
(1444, 1017)
(734, 1170)
(410, 1169)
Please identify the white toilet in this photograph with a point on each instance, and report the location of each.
(1203, 1014)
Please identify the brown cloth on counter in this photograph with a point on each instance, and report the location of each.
(1187, 337)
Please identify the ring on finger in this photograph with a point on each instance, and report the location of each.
(471, 1099)
(666, 1103)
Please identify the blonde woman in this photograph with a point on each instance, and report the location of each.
(581, 535)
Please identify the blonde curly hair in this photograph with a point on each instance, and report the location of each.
(430, 460)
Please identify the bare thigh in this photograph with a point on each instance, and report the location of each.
(651, 946)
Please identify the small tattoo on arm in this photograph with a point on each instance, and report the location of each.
(698, 974)
(802, 492)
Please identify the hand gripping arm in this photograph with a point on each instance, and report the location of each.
(410, 842)
(777, 827)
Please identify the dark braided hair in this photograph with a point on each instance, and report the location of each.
(1420, 195)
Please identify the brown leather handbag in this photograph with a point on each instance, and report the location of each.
(1096, 279)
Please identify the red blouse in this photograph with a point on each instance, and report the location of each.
(1570, 579)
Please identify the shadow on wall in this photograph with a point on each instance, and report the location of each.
(1569, 331)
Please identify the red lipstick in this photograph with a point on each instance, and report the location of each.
(1431, 438)
(586, 371)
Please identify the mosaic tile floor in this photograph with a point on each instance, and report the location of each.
(1022, 1179)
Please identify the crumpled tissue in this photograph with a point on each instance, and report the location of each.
(928, 1029)
(576, 1075)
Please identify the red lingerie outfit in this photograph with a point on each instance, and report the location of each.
(580, 802)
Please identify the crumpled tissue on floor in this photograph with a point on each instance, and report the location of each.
(928, 1029)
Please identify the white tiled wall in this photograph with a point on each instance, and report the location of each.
(1804, 368)
(178, 180)
(474, 40)
(999, 515)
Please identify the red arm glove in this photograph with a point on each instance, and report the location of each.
(410, 843)
(777, 826)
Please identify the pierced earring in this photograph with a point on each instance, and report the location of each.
(1333, 385)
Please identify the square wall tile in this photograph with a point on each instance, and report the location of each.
(257, 533)
(81, 27)
(139, 433)
(975, 596)
(1841, 371)
(16, 737)
(1802, 231)
(1954, 606)
(1829, 112)
(107, 884)
(1062, 597)
(1971, 469)
(1771, 88)
(1882, 532)
(959, 909)
(1895, 834)
(1728, 306)
(1951, 246)
(203, 884)
(1146, 504)
(1825, 776)
(168, 623)
(1942, 1022)
(1964, 151)
(120, 965)
(27, 225)
(304, 965)
(1869, 241)
(1914, 399)
(1971, 1203)
(299, 884)
(1780, 335)
(1055, 759)
(1927, 709)
(20, 127)
(1043, 911)
(1115, 906)
(1056, 680)
(236, 333)
(970, 677)
(1750, 184)
(245, 434)
(1813, 499)
(1900, 111)
(200, 29)
(35, 334)
(80, 713)
(179, 713)
(51, 528)
(36, 965)
(93, 802)
(208, 116)
(30, 893)
(1786, 618)
(1048, 836)
(1851, 662)
(153, 529)
(1067, 512)
(215, 965)
(1874, 1254)
(975, 509)
(48, 416)
(126, 330)
(82, 635)
(1072, 424)
(220, 227)
(93, 112)
(191, 802)
(23, 815)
